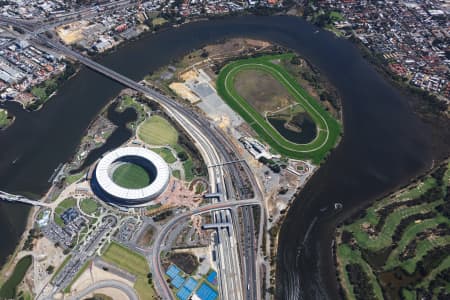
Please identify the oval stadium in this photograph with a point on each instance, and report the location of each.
(130, 177)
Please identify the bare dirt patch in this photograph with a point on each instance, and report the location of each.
(146, 237)
(186, 261)
(262, 91)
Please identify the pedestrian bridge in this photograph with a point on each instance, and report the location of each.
(17, 198)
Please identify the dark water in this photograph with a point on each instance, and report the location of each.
(384, 143)
(307, 125)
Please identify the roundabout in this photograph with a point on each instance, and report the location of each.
(130, 177)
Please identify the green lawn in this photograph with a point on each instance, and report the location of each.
(64, 205)
(329, 129)
(157, 131)
(422, 248)
(158, 21)
(39, 92)
(134, 263)
(347, 256)
(9, 288)
(88, 206)
(166, 154)
(384, 238)
(129, 102)
(408, 236)
(4, 121)
(176, 174)
(74, 177)
(188, 172)
(131, 176)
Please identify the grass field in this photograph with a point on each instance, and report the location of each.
(134, 263)
(9, 288)
(64, 205)
(262, 91)
(166, 154)
(88, 206)
(176, 174)
(329, 129)
(188, 172)
(3, 118)
(131, 176)
(157, 131)
(74, 177)
(415, 223)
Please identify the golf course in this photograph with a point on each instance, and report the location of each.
(398, 248)
(328, 128)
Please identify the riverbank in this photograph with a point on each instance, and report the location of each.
(48, 88)
(10, 264)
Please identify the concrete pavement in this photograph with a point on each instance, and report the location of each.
(128, 290)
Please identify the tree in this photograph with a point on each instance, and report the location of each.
(182, 156)
(50, 269)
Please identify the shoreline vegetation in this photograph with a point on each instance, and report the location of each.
(6, 119)
(44, 91)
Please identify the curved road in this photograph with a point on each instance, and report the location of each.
(128, 290)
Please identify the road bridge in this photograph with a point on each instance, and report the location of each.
(17, 198)
(216, 225)
(227, 163)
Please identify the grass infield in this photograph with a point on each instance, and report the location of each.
(329, 128)
(134, 263)
(157, 131)
(131, 176)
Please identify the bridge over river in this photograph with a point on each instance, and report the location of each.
(17, 198)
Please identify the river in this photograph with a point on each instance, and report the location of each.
(384, 143)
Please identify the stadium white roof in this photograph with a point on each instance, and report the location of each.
(148, 192)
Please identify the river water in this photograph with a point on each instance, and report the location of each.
(384, 143)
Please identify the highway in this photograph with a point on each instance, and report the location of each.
(215, 150)
(128, 290)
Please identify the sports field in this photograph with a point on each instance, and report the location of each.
(131, 176)
(328, 131)
(88, 206)
(134, 263)
(157, 131)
